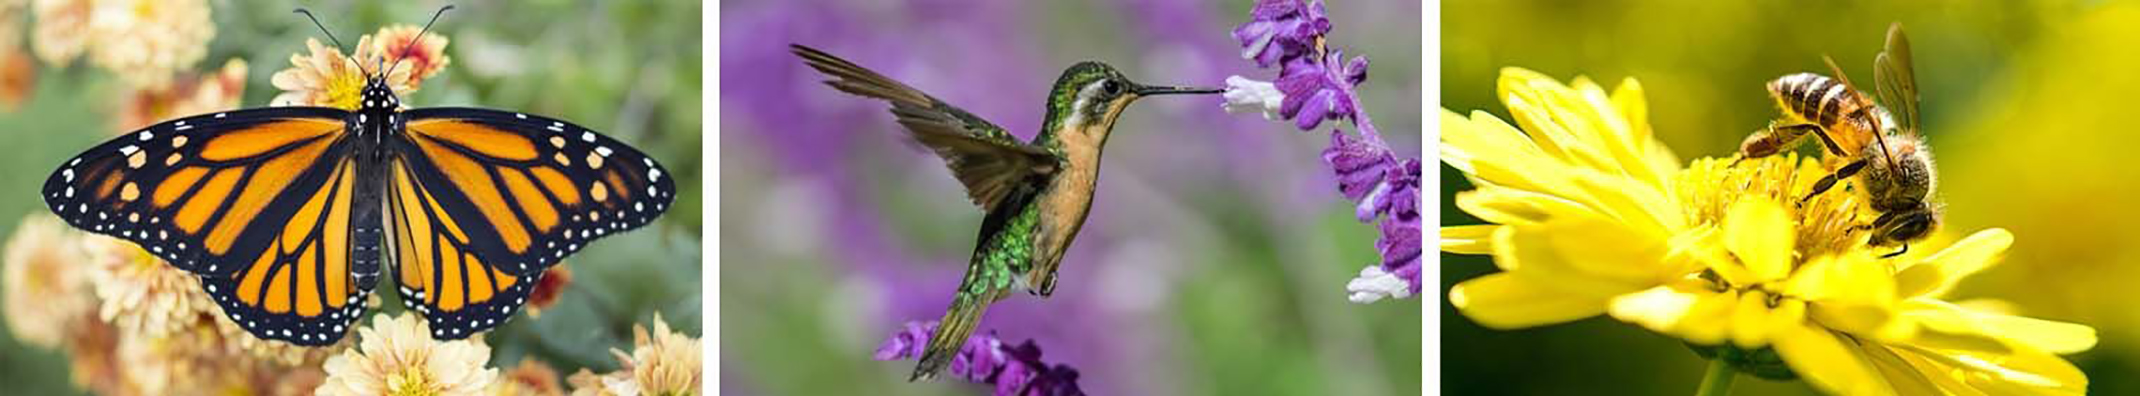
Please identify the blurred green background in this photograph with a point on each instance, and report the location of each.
(2028, 104)
(630, 69)
(1215, 258)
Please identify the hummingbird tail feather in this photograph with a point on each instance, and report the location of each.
(951, 334)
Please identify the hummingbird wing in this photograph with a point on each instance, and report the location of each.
(986, 159)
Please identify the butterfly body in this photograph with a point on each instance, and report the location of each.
(291, 215)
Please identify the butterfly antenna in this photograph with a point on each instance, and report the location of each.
(419, 39)
(330, 35)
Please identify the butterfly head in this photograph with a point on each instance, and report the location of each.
(378, 97)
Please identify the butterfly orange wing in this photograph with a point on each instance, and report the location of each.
(256, 202)
(482, 201)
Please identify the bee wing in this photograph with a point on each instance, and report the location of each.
(1896, 79)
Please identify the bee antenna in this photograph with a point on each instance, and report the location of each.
(419, 38)
(330, 35)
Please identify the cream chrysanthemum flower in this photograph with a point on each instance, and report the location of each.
(45, 286)
(530, 378)
(326, 77)
(18, 73)
(663, 363)
(396, 356)
(202, 359)
(146, 41)
(424, 58)
(62, 29)
(217, 91)
(237, 341)
(140, 293)
(1591, 215)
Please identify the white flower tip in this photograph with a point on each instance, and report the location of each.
(1375, 285)
(1244, 94)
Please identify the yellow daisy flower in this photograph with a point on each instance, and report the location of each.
(664, 363)
(1592, 216)
(325, 77)
(1582, 207)
(146, 41)
(44, 285)
(396, 356)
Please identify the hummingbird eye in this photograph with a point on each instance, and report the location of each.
(1112, 87)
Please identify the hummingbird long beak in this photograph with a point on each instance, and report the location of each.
(1149, 90)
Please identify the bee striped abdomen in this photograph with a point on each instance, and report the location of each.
(1816, 98)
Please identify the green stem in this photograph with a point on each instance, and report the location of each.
(1717, 381)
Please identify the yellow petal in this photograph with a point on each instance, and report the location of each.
(1469, 239)
(1946, 327)
(1491, 152)
(1708, 321)
(1622, 120)
(1943, 270)
(2019, 373)
(1908, 377)
(1750, 320)
(1582, 254)
(1827, 363)
(2045, 335)
(1658, 308)
(1641, 205)
(1628, 99)
(1506, 301)
(1502, 205)
(1532, 101)
(1852, 296)
(2049, 336)
(1759, 232)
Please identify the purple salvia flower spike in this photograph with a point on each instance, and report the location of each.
(1281, 29)
(986, 359)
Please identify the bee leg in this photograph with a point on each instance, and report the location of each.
(1827, 182)
(1829, 142)
(1775, 139)
(1905, 249)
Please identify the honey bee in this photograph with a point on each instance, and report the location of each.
(1878, 143)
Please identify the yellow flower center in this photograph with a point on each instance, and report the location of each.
(144, 8)
(142, 261)
(345, 86)
(1826, 224)
(410, 380)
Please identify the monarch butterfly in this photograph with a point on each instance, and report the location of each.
(288, 214)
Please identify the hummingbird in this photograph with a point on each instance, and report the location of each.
(1036, 194)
